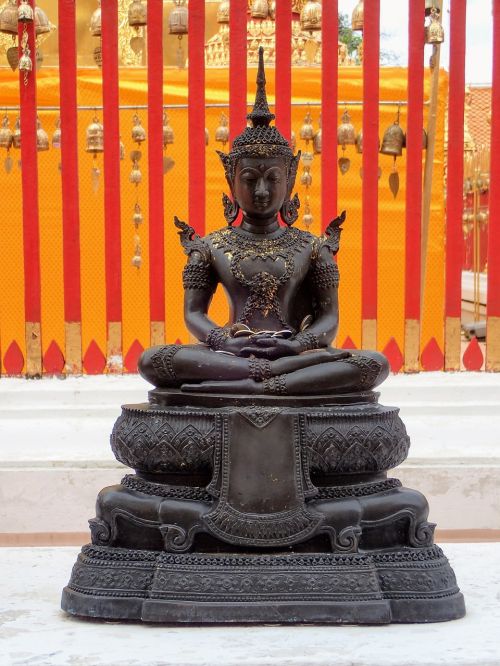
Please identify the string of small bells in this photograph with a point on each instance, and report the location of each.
(10, 16)
(11, 138)
(137, 20)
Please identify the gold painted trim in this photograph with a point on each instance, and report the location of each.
(73, 348)
(493, 344)
(412, 346)
(452, 344)
(157, 333)
(114, 355)
(34, 366)
(369, 334)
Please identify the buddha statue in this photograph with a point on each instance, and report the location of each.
(281, 283)
(260, 489)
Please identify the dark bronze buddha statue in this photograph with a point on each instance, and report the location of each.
(281, 283)
(260, 491)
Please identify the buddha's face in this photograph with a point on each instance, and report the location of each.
(260, 186)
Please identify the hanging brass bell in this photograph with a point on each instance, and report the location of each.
(259, 9)
(434, 33)
(307, 129)
(56, 137)
(25, 12)
(317, 142)
(6, 136)
(138, 131)
(8, 18)
(310, 16)
(306, 178)
(178, 19)
(42, 138)
(393, 140)
(16, 134)
(317, 139)
(346, 134)
(95, 21)
(25, 63)
(168, 132)
(223, 12)
(137, 14)
(42, 23)
(358, 16)
(137, 216)
(222, 132)
(135, 176)
(95, 137)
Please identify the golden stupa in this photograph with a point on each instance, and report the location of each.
(261, 31)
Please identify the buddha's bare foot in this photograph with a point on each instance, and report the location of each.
(236, 386)
(288, 364)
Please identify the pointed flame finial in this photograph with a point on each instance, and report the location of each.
(261, 115)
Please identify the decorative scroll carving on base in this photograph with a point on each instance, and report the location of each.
(362, 439)
(155, 440)
(115, 583)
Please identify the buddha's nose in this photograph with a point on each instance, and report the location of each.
(261, 190)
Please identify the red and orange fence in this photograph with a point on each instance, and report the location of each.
(73, 302)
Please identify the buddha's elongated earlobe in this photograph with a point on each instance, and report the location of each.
(289, 211)
(231, 209)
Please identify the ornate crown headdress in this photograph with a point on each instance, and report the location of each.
(260, 139)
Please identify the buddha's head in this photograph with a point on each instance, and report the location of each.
(261, 167)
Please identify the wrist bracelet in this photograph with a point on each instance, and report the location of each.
(217, 337)
(308, 340)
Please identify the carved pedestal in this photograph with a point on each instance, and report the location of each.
(262, 509)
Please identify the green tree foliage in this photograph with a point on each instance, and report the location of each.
(351, 39)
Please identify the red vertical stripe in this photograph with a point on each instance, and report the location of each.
(493, 298)
(237, 67)
(370, 158)
(196, 115)
(414, 157)
(454, 196)
(69, 161)
(110, 98)
(31, 231)
(329, 98)
(283, 84)
(155, 161)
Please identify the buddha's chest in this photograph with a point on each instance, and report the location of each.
(261, 264)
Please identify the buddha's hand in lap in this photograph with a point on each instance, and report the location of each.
(271, 347)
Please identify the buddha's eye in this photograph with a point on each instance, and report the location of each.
(274, 176)
(248, 177)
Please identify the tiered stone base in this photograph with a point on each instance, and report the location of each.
(376, 587)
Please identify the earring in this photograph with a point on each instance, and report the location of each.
(290, 210)
(231, 209)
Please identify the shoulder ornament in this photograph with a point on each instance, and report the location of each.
(331, 237)
(191, 241)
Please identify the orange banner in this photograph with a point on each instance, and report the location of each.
(306, 88)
